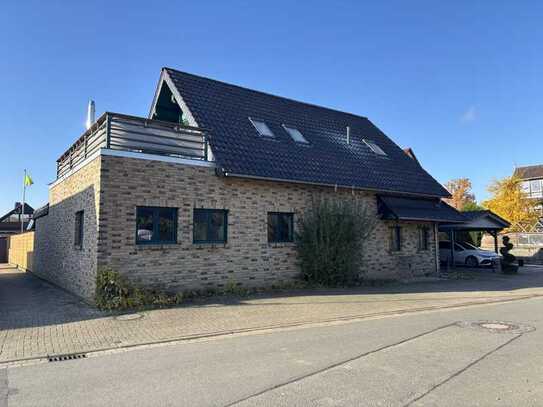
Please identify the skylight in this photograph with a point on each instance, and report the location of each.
(262, 128)
(374, 147)
(295, 134)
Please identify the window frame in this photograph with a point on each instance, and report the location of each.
(288, 129)
(270, 136)
(424, 238)
(376, 148)
(396, 237)
(209, 211)
(79, 227)
(156, 225)
(291, 222)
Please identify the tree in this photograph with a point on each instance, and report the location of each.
(472, 206)
(460, 189)
(511, 203)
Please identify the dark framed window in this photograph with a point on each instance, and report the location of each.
(210, 225)
(79, 224)
(424, 238)
(156, 225)
(280, 227)
(396, 238)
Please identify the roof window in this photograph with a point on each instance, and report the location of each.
(296, 135)
(262, 128)
(374, 147)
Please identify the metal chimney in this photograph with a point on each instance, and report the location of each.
(90, 114)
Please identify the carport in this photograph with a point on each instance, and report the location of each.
(476, 221)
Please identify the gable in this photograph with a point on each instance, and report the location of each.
(328, 158)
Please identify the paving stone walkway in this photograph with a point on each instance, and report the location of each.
(38, 319)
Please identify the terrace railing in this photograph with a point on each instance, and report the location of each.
(135, 134)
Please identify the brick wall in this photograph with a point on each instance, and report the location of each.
(247, 258)
(109, 188)
(21, 250)
(56, 259)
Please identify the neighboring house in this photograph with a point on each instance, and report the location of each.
(532, 183)
(10, 223)
(210, 188)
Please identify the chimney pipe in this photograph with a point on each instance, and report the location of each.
(348, 135)
(90, 114)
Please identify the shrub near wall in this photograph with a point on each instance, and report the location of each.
(331, 239)
(21, 250)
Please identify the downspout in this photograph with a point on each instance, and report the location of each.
(436, 246)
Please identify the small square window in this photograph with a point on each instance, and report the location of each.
(262, 128)
(79, 224)
(156, 225)
(423, 238)
(210, 225)
(374, 147)
(280, 227)
(296, 135)
(396, 238)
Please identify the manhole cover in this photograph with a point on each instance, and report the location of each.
(128, 317)
(497, 326)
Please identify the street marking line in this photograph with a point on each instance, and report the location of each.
(459, 372)
(337, 364)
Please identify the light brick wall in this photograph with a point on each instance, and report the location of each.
(21, 250)
(109, 189)
(247, 258)
(56, 258)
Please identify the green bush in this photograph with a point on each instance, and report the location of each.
(330, 241)
(114, 292)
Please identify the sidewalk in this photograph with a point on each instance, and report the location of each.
(37, 319)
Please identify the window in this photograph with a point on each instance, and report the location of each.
(156, 225)
(262, 128)
(295, 134)
(374, 147)
(210, 225)
(396, 238)
(535, 186)
(280, 227)
(78, 236)
(423, 238)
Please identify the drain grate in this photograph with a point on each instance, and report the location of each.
(69, 356)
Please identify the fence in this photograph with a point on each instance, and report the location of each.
(21, 250)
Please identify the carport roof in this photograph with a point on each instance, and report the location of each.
(417, 209)
(479, 220)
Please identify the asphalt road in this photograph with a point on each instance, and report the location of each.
(423, 359)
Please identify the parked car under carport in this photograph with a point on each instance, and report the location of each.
(466, 254)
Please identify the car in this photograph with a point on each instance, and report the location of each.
(466, 254)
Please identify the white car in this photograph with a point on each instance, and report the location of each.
(466, 254)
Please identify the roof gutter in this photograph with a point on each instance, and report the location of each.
(223, 173)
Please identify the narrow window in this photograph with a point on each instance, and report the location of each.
(262, 128)
(210, 225)
(374, 147)
(296, 135)
(156, 225)
(396, 238)
(280, 227)
(423, 238)
(78, 237)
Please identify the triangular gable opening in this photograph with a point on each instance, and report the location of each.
(166, 108)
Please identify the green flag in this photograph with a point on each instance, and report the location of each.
(28, 181)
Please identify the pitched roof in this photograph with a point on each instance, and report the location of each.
(529, 172)
(17, 210)
(327, 159)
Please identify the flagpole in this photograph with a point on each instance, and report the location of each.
(23, 203)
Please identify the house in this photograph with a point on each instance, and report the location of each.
(209, 188)
(10, 224)
(531, 183)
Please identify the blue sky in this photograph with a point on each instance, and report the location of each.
(458, 81)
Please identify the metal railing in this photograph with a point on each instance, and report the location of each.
(130, 133)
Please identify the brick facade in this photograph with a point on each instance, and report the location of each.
(119, 184)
